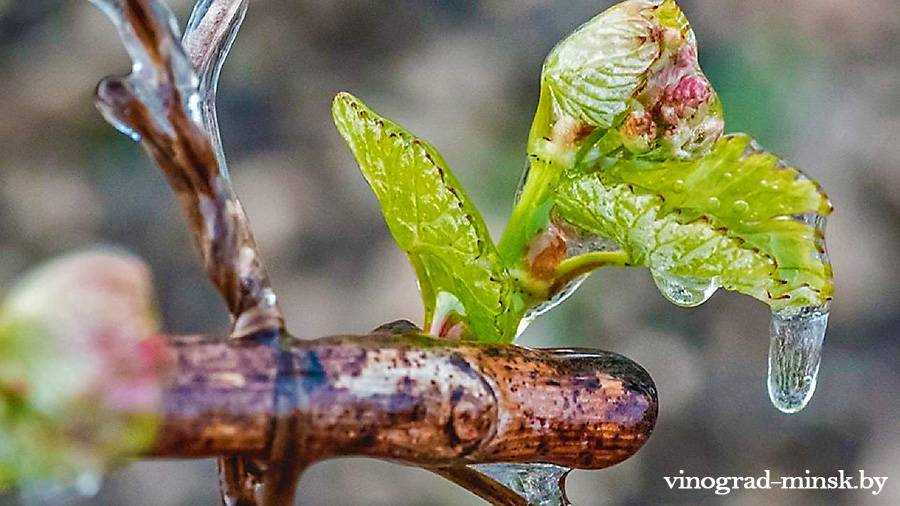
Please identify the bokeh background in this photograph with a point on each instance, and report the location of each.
(814, 80)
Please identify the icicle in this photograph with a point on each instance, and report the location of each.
(795, 353)
(684, 291)
(538, 484)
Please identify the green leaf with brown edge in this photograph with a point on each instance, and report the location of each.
(461, 277)
(737, 218)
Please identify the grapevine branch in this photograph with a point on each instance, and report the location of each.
(411, 398)
(183, 148)
(268, 405)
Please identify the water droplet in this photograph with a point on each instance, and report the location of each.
(713, 203)
(741, 206)
(538, 484)
(269, 299)
(679, 185)
(727, 176)
(684, 291)
(795, 352)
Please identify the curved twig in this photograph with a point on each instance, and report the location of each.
(161, 103)
(178, 124)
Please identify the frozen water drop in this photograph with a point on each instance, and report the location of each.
(684, 291)
(795, 352)
(113, 95)
(538, 484)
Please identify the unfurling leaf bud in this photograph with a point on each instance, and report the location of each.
(633, 66)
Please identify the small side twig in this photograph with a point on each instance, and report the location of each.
(170, 109)
(169, 102)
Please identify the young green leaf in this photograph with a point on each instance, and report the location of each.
(737, 218)
(433, 220)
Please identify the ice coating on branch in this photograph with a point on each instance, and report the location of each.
(795, 352)
(537, 484)
(208, 41)
(194, 66)
(164, 104)
(145, 83)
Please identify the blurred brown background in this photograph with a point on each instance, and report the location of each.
(814, 80)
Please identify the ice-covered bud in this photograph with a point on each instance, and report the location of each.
(684, 105)
(81, 364)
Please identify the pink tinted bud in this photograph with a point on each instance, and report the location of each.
(691, 91)
(687, 57)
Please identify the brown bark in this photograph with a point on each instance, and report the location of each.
(410, 398)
